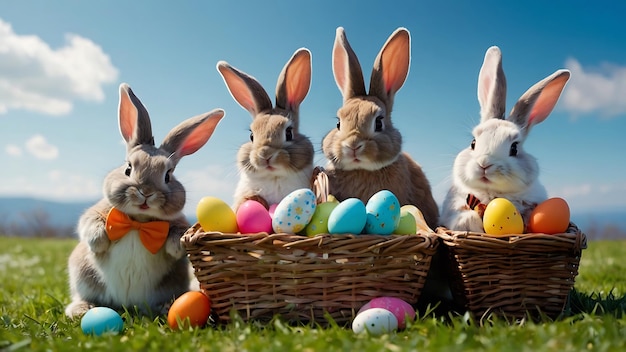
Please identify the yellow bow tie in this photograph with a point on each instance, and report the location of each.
(152, 234)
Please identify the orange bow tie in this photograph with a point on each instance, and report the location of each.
(152, 234)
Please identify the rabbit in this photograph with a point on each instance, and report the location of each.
(124, 272)
(496, 164)
(364, 152)
(278, 159)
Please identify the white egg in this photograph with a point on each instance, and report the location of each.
(376, 321)
(294, 212)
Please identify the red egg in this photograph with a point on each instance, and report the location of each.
(191, 309)
(550, 217)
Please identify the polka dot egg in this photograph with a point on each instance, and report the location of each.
(383, 213)
(294, 212)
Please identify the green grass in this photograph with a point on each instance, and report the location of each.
(33, 294)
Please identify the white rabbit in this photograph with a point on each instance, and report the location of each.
(496, 164)
(278, 159)
(117, 264)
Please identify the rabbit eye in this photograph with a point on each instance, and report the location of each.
(251, 137)
(513, 151)
(289, 134)
(338, 124)
(167, 176)
(379, 124)
(128, 170)
(473, 145)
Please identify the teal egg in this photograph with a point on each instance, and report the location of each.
(348, 217)
(383, 213)
(99, 320)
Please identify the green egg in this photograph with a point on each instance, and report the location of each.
(407, 225)
(319, 220)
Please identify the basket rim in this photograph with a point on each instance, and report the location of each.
(195, 234)
(572, 235)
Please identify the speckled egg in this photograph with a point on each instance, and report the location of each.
(348, 217)
(501, 218)
(383, 213)
(294, 212)
(319, 221)
(399, 308)
(376, 321)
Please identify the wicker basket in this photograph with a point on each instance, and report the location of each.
(306, 279)
(515, 277)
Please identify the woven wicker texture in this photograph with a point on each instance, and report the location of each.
(514, 276)
(303, 278)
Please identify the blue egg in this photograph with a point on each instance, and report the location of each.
(347, 217)
(99, 320)
(383, 213)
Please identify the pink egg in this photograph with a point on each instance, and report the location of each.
(272, 208)
(398, 307)
(252, 217)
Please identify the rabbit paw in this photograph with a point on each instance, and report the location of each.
(174, 248)
(77, 309)
(469, 221)
(99, 242)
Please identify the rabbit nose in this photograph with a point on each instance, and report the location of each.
(484, 163)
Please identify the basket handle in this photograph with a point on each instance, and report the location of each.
(320, 184)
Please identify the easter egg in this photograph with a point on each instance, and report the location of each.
(99, 320)
(399, 308)
(420, 222)
(501, 218)
(294, 211)
(383, 213)
(348, 217)
(215, 215)
(407, 224)
(319, 221)
(272, 209)
(550, 216)
(376, 321)
(190, 309)
(252, 217)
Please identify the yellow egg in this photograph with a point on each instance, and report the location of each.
(215, 215)
(501, 218)
(420, 222)
(550, 217)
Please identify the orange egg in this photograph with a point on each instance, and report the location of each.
(550, 217)
(191, 309)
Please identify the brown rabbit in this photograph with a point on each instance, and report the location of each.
(278, 159)
(365, 150)
(116, 263)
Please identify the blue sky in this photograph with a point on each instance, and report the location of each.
(61, 63)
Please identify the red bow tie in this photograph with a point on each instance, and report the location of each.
(475, 204)
(152, 234)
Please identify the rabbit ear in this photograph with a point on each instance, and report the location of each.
(191, 134)
(538, 101)
(492, 86)
(391, 66)
(346, 68)
(134, 121)
(294, 80)
(245, 89)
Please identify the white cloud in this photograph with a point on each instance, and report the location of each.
(595, 90)
(13, 150)
(55, 185)
(594, 197)
(36, 77)
(39, 147)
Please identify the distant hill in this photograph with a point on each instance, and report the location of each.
(20, 211)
